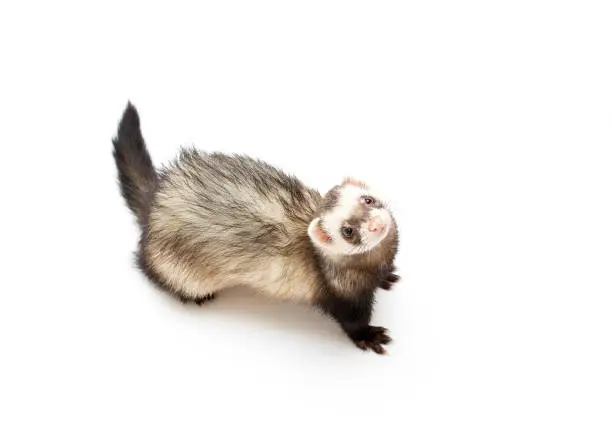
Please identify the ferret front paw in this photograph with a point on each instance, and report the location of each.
(388, 282)
(373, 338)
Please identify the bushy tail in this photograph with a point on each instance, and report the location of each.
(137, 176)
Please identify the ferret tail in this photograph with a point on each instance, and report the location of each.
(137, 175)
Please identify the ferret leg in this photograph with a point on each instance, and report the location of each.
(354, 318)
(388, 282)
(191, 289)
(172, 277)
(390, 279)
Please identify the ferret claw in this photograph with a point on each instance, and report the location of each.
(374, 338)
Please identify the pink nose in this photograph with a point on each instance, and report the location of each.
(376, 224)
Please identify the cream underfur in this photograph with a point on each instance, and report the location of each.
(283, 278)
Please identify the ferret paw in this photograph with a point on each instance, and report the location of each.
(207, 298)
(388, 282)
(373, 338)
(198, 300)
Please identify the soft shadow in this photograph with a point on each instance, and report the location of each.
(243, 304)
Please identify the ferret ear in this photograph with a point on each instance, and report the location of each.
(352, 181)
(317, 234)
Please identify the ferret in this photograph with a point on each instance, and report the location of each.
(211, 221)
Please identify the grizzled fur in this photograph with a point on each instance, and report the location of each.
(211, 221)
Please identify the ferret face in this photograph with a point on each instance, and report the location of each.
(353, 220)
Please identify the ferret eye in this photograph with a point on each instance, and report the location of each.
(368, 200)
(347, 231)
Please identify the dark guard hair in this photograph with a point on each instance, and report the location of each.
(137, 176)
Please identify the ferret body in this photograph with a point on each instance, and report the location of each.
(211, 221)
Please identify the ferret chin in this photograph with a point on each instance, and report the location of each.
(211, 221)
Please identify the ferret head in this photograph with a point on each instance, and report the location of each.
(352, 220)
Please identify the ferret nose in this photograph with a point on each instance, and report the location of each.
(376, 224)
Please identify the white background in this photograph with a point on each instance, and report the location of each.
(487, 124)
